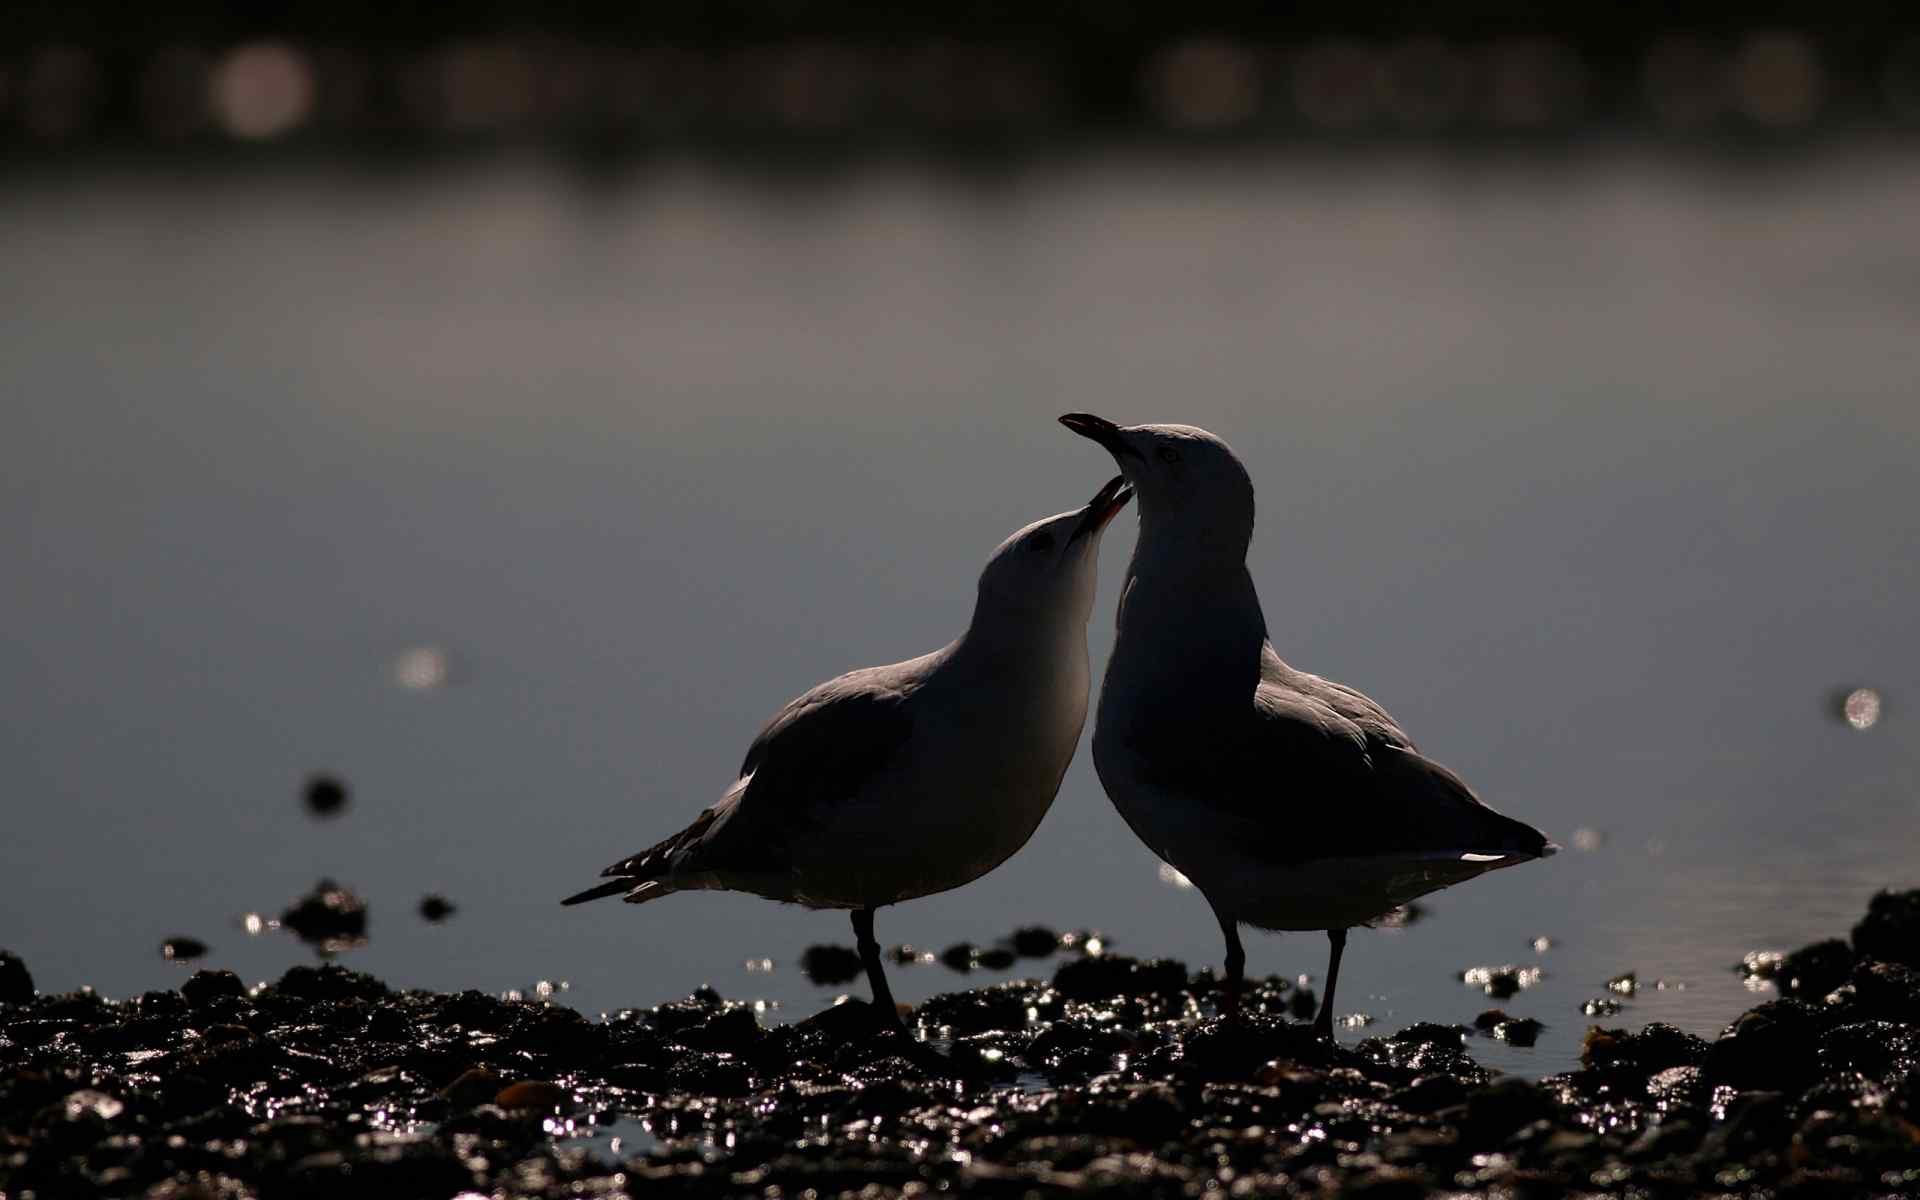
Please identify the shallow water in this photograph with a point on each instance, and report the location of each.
(1598, 475)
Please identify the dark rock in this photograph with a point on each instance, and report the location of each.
(1812, 971)
(958, 957)
(204, 987)
(1501, 982)
(331, 918)
(78, 1120)
(1890, 931)
(1080, 1045)
(555, 1029)
(163, 1005)
(1655, 1048)
(1488, 1020)
(1002, 1007)
(475, 1010)
(1503, 1106)
(830, 965)
(1757, 1120)
(1035, 941)
(1772, 1047)
(1099, 977)
(1302, 1003)
(1668, 1139)
(995, 958)
(1872, 1048)
(1430, 1094)
(16, 983)
(436, 908)
(533, 1094)
(1518, 1031)
(1424, 1048)
(389, 1023)
(1882, 991)
(325, 796)
(473, 1087)
(850, 1021)
(182, 949)
(1241, 1051)
(330, 982)
(677, 1015)
(734, 1030)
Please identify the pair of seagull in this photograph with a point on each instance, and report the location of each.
(1290, 801)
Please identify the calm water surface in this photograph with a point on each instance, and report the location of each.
(1600, 476)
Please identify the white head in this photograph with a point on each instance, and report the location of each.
(1190, 484)
(1050, 567)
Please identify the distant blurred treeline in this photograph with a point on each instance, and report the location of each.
(822, 74)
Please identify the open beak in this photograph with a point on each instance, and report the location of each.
(1103, 431)
(1106, 502)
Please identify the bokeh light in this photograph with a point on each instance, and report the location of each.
(262, 90)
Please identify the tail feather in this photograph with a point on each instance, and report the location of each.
(639, 876)
(652, 889)
(596, 893)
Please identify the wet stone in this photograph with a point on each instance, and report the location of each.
(734, 1029)
(533, 1094)
(1501, 982)
(330, 918)
(329, 982)
(16, 983)
(995, 958)
(1503, 1106)
(1518, 1031)
(830, 965)
(1881, 990)
(1034, 941)
(1812, 971)
(1000, 1007)
(329, 1084)
(1655, 1048)
(1104, 976)
(436, 908)
(677, 1015)
(1890, 931)
(959, 957)
(202, 988)
(182, 949)
(473, 1087)
(325, 796)
(1774, 1046)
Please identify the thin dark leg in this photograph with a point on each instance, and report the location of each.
(876, 974)
(1323, 1022)
(916, 1051)
(1236, 964)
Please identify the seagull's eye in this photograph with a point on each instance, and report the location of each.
(1040, 542)
(1169, 455)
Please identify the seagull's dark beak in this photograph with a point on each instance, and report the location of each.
(1103, 431)
(1106, 502)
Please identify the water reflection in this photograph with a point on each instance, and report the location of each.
(1594, 476)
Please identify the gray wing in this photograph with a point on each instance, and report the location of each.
(1317, 770)
(819, 749)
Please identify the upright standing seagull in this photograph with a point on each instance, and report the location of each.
(897, 782)
(1290, 801)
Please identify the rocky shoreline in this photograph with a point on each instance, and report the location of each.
(1110, 1076)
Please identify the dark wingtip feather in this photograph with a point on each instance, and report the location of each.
(616, 888)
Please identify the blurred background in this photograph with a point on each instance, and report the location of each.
(498, 414)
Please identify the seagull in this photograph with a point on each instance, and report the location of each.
(896, 782)
(1291, 802)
